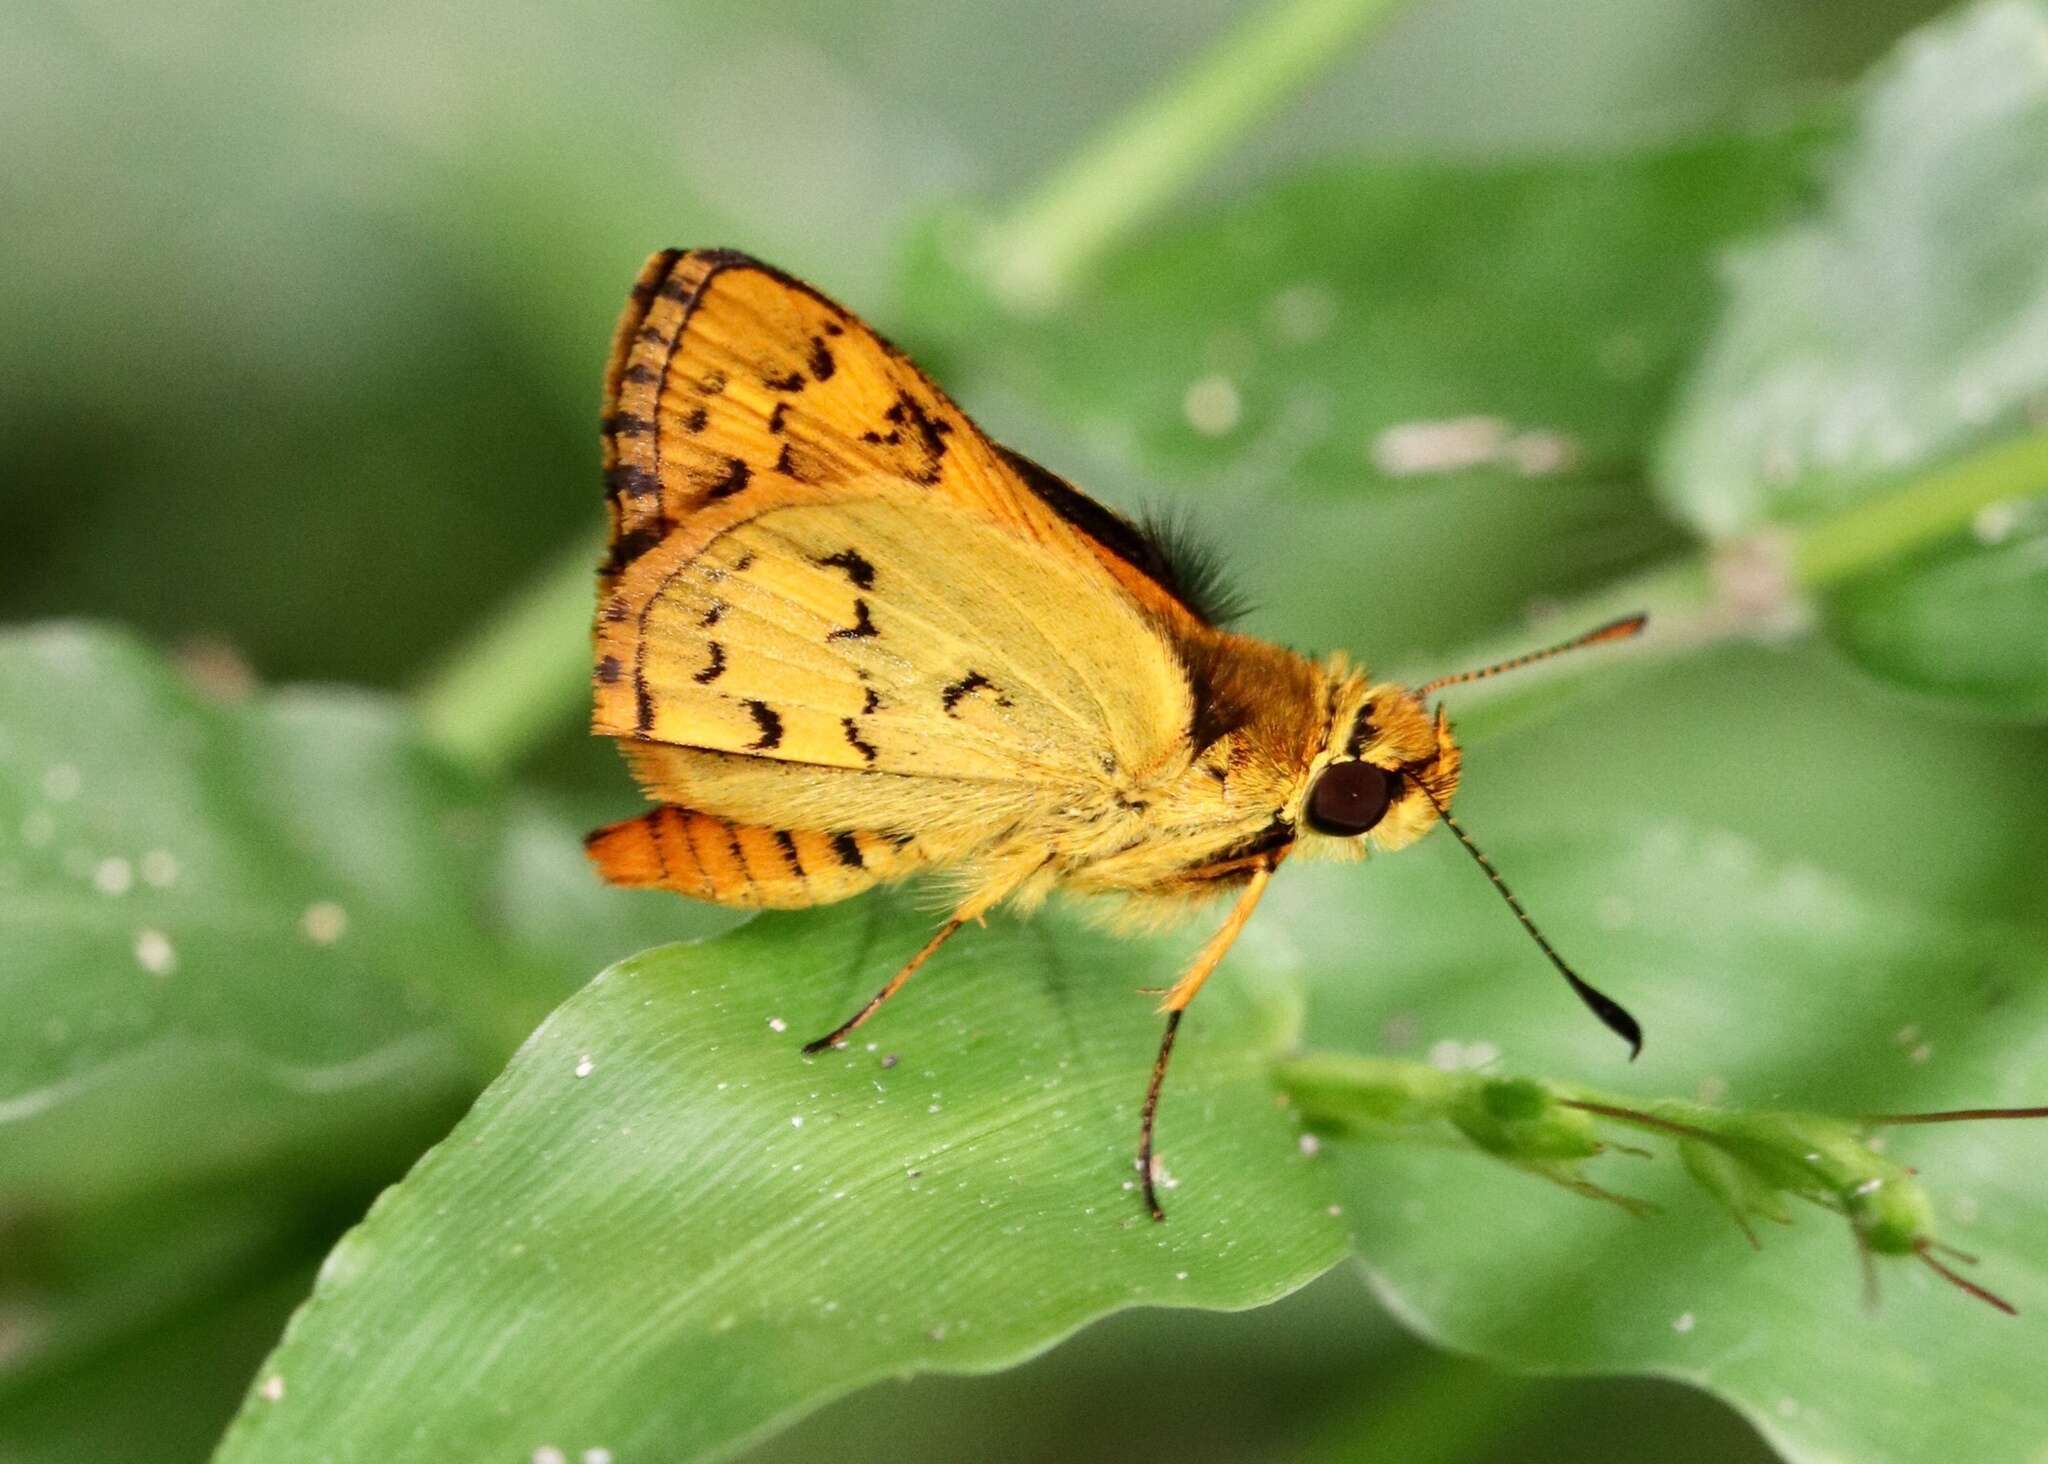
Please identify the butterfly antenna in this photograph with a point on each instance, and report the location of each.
(1611, 1012)
(1614, 630)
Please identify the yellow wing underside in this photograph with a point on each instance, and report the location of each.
(834, 605)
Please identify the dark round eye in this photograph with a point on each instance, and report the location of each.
(1349, 798)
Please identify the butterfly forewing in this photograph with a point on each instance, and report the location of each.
(817, 559)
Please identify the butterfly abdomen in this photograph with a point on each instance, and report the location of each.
(747, 865)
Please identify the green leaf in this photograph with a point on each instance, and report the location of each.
(1907, 318)
(662, 1231)
(1696, 865)
(1968, 622)
(241, 938)
(254, 957)
(1370, 324)
(1902, 325)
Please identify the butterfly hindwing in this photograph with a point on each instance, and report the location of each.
(749, 865)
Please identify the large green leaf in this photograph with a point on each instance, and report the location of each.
(253, 957)
(1901, 324)
(1788, 939)
(1967, 621)
(662, 1231)
(1907, 317)
(240, 937)
(1364, 325)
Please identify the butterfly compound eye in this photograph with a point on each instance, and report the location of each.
(1349, 798)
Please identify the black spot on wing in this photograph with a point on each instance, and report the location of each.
(696, 418)
(608, 670)
(787, 845)
(966, 686)
(927, 431)
(847, 847)
(855, 564)
(821, 363)
(863, 625)
(853, 739)
(775, 417)
(792, 381)
(630, 545)
(715, 670)
(770, 723)
(628, 481)
(731, 480)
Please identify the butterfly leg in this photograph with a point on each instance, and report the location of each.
(894, 985)
(1177, 998)
(992, 893)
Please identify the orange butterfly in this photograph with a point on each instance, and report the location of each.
(844, 638)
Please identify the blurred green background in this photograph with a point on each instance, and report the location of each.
(304, 317)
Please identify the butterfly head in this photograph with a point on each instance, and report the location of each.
(1387, 771)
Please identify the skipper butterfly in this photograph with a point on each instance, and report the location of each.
(844, 638)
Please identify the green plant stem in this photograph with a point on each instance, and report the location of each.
(1931, 507)
(522, 675)
(1746, 587)
(1049, 240)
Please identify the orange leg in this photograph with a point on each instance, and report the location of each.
(992, 893)
(895, 984)
(1177, 998)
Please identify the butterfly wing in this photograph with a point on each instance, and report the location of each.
(832, 602)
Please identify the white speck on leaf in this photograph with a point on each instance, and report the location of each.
(113, 876)
(776, 1024)
(1682, 1323)
(796, 1120)
(597, 1456)
(1302, 313)
(323, 922)
(1538, 454)
(1447, 446)
(1311, 1145)
(1212, 406)
(1995, 522)
(273, 1388)
(549, 1454)
(154, 953)
(584, 1066)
